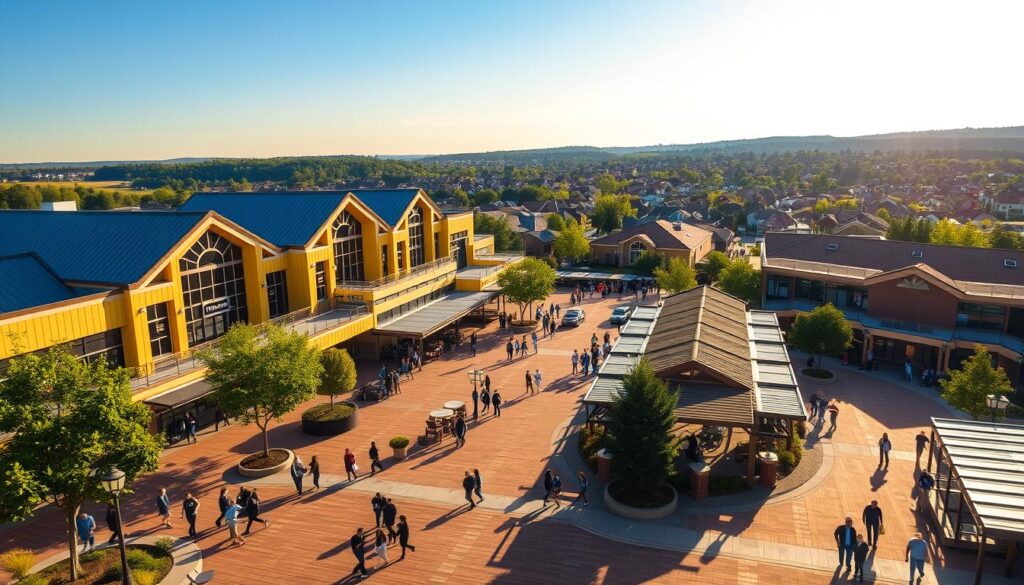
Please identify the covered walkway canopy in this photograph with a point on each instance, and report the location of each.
(431, 318)
(979, 496)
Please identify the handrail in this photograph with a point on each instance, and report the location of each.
(392, 278)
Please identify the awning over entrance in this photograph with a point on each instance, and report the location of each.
(180, 396)
(437, 315)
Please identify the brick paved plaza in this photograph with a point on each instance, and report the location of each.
(511, 538)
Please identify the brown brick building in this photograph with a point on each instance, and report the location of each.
(670, 239)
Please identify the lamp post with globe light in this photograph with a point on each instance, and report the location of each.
(113, 483)
(996, 403)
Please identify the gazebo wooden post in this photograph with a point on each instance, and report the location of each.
(980, 564)
(789, 436)
(751, 456)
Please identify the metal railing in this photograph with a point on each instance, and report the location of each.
(393, 278)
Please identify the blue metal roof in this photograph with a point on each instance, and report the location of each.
(283, 219)
(387, 203)
(25, 281)
(115, 247)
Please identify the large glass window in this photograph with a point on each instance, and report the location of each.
(213, 287)
(813, 290)
(348, 249)
(277, 293)
(416, 253)
(321, 280)
(778, 287)
(851, 297)
(458, 246)
(159, 329)
(977, 316)
(635, 249)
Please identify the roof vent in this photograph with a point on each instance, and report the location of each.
(917, 254)
(832, 247)
(1010, 263)
(677, 226)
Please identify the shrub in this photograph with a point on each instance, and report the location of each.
(680, 481)
(33, 579)
(789, 458)
(165, 544)
(141, 560)
(325, 412)
(551, 261)
(143, 577)
(93, 555)
(112, 573)
(591, 441)
(18, 561)
(724, 485)
(399, 442)
(786, 461)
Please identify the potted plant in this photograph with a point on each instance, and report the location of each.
(338, 376)
(400, 444)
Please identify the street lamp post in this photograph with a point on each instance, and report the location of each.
(113, 484)
(476, 376)
(996, 403)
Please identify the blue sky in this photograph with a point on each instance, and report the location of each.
(87, 80)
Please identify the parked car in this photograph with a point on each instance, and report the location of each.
(573, 316)
(621, 314)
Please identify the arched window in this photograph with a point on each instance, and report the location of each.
(635, 249)
(213, 287)
(415, 223)
(348, 248)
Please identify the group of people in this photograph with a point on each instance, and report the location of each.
(586, 361)
(553, 488)
(391, 528)
(820, 407)
(603, 288)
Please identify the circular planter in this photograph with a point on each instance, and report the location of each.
(186, 557)
(325, 428)
(527, 327)
(264, 472)
(619, 509)
(401, 452)
(816, 379)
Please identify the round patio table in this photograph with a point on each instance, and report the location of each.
(455, 405)
(442, 413)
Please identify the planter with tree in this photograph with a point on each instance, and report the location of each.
(524, 283)
(400, 445)
(69, 422)
(640, 437)
(258, 376)
(339, 375)
(968, 388)
(823, 331)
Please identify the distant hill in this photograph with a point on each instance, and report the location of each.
(96, 163)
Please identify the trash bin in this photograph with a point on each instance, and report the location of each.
(604, 465)
(700, 473)
(769, 463)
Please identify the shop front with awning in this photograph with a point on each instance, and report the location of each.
(421, 323)
(170, 408)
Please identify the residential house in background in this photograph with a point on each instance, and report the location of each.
(671, 239)
(859, 223)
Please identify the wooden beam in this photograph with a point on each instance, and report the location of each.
(751, 456)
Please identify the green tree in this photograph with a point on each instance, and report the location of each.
(677, 276)
(824, 330)
(485, 196)
(460, 197)
(1002, 238)
(555, 222)
(968, 387)
(570, 243)
(883, 213)
(609, 211)
(945, 232)
(527, 281)
(609, 185)
(339, 373)
(713, 264)
(505, 238)
(741, 280)
(259, 375)
(68, 420)
(647, 262)
(239, 186)
(640, 433)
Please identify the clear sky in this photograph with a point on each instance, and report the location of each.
(106, 80)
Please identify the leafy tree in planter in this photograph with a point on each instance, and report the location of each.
(527, 281)
(968, 387)
(824, 326)
(261, 375)
(339, 373)
(640, 432)
(69, 421)
(678, 276)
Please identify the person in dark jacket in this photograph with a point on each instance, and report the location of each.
(298, 472)
(375, 458)
(496, 401)
(476, 401)
(356, 543)
(872, 518)
(487, 382)
(509, 349)
(485, 400)
(846, 539)
(390, 515)
(860, 554)
(460, 432)
(112, 524)
(378, 502)
(163, 507)
(190, 512)
(253, 511)
(548, 484)
(314, 470)
(478, 486)
(403, 535)
(468, 483)
(223, 502)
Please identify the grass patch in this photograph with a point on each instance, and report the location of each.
(104, 566)
(328, 412)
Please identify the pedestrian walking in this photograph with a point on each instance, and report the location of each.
(231, 519)
(533, 338)
(190, 425)
(496, 401)
(833, 414)
(86, 526)
(860, 554)
(314, 470)
(536, 380)
(916, 554)
(377, 503)
(190, 512)
(478, 484)
(925, 483)
(558, 311)
(111, 518)
(380, 549)
(922, 441)
(468, 483)
(908, 370)
(575, 361)
(487, 381)
(884, 446)
(581, 485)
(554, 327)
(375, 458)
(298, 472)
(351, 469)
(508, 349)
(252, 509)
(220, 418)
(472, 343)
(846, 539)
(163, 507)
(548, 484)
(485, 400)
(556, 490)
(529, 382)
(872, 518)
(356, 542)
(403, 535)
(223, 503)
(585, 363)
(476, 400)
(523, 348)
(390, 516)
(460, 430)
